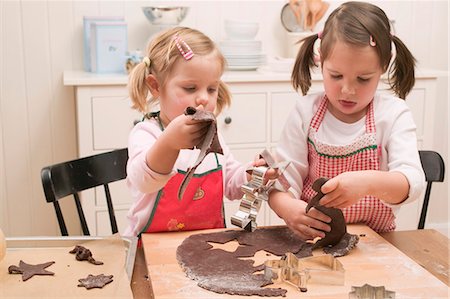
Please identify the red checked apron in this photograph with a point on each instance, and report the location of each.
(330, 160)
(200, 208)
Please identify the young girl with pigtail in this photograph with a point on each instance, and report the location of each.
(182, 68)
(363, 141)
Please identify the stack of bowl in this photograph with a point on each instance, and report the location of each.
(240, 48)
(165, 15)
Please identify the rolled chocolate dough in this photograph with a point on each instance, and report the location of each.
(223, 272)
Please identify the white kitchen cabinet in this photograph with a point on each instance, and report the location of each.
(260, 104)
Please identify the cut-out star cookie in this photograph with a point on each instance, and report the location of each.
(29, 271)
(95, 281)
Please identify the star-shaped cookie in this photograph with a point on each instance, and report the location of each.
(95, 281)
(29, 271)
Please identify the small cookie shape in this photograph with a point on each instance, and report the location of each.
(28, 270)
(95, 281)
(84, 254)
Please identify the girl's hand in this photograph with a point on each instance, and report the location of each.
(345, 189)
(185, 133)
(307, 226)
(271, 174)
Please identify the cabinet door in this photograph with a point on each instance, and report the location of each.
(245, 120)
(282, 104)
(112, 120)
(416, 102)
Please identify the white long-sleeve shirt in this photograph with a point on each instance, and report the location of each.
(144, 183)
(395, 133)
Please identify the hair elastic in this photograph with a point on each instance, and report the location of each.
(319, 34)
(146, 61)
(187, 55)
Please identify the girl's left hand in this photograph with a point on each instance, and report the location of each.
(344, 189)
(271, 174)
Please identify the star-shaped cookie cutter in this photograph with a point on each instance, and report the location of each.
(255, 191)
(367, 291)
(323, 269)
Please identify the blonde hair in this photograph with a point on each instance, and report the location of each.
(356, 23)
(163, 53)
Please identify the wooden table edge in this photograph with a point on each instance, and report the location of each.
(426, 247)
(141, 285)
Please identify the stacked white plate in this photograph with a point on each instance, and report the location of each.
(241, 51)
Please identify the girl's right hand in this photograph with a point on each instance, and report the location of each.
(185, 133)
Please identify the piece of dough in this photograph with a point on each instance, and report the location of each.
(223, 272)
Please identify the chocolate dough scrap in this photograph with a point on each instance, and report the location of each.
(223, 272)
(95, 281)
(336, 242)
(84, 254)
(28, 270)
(347, 243)
(337, 224)
(210, 144)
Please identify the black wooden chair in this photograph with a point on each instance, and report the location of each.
(71, 177)
(434, 168)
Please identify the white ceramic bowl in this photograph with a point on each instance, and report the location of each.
(165, 15)
(241, 30)
(281, 65)
(231, 46)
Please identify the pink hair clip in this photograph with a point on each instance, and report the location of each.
(186, 54)
(372, 42)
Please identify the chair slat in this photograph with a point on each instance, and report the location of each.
(71, 177)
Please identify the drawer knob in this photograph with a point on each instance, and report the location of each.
(228, 120)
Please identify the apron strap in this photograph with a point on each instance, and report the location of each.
(320, 114)
(155, 115)
(370, 120)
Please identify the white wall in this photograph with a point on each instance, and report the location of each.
(41, 39)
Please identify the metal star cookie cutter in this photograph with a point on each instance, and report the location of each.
(324, 269)
(370, 292)
(255, 191)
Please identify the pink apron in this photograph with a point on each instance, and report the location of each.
(329, 160)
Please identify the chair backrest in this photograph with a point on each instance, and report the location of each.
(71, 177)
(434, 168)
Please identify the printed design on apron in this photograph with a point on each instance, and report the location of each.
(328, 161)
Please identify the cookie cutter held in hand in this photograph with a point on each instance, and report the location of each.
(324, 269)
(255, 191)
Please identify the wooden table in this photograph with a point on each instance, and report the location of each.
(374, 261)
(427, 247)
(141, 285)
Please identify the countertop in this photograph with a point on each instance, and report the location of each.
(82, 78)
